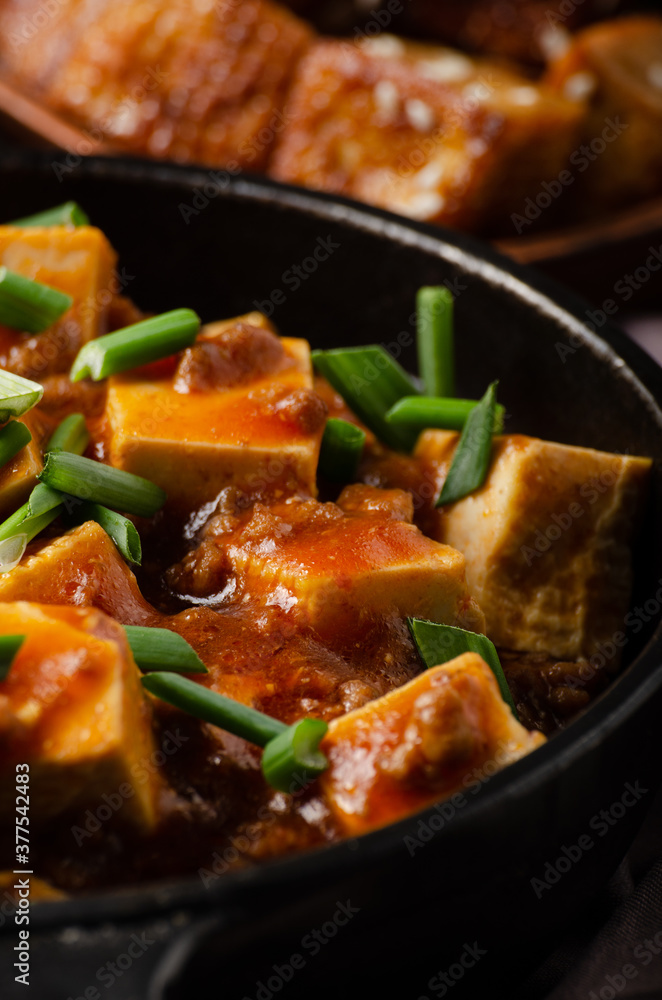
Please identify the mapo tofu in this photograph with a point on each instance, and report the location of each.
(221, 607)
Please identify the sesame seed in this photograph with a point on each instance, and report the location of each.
(523, 95)
(387, 98)
(579, 86)
(654, 75)
(385, 45)
(420, 115)
(423, 205)
(430, 176)
(446, 69)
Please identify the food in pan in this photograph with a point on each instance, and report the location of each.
(476, 142)
(255, 599)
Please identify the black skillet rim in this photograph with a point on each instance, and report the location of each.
(639, 682)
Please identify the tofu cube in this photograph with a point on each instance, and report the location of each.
(73, 709)
(83, 568)
(245, 416)
(81, 263)
(424, 131)
(617, 66)
(19, 476)
(200, 82)
(547, 539)
(331, 569)
(445, 731)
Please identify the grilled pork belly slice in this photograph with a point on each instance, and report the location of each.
(238, 410)
(80, 262)
(443, 732)
(202, 82)
(424, 131)
(73, 709)
(618, 66)
(547, 539)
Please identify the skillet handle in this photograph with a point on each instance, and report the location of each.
(118, 961)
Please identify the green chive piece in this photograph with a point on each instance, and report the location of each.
(149, 340)
(68, 214)
(293, 759)
(13, 437)
(424, 412)
(162, 649)
(122, 531)
(89, 480)
(204, 704)
(9, 647)
(291, 755)
(28, 305)
(436, 350)
(371, 382)
(472, 455)
(42, 506)
(70, 435)
(17, 395)
(440, 643)
(340, 454)
(22, 524)
(43, 499)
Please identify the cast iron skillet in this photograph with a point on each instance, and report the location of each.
(423, 889)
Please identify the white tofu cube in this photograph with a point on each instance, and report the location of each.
(441, 733)
(547, 539)
(330, 567)
(73, 709)
(257, 430)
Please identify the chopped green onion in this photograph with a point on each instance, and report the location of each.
(162, 649)
(472, 455)
(28, 305)
(423, 412)
(68, 214)
(371, 382)
(440, 643)
(293, 759)
(42, 506)
(13, 437)
(436, 353)
(17, 395)
(149, 340)
(215, 708)
(9, 647)
(340, 453)
(70, 435)
(90, 480)
(26, 525)
(291, 753)
(43, 499)
(122, 531)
